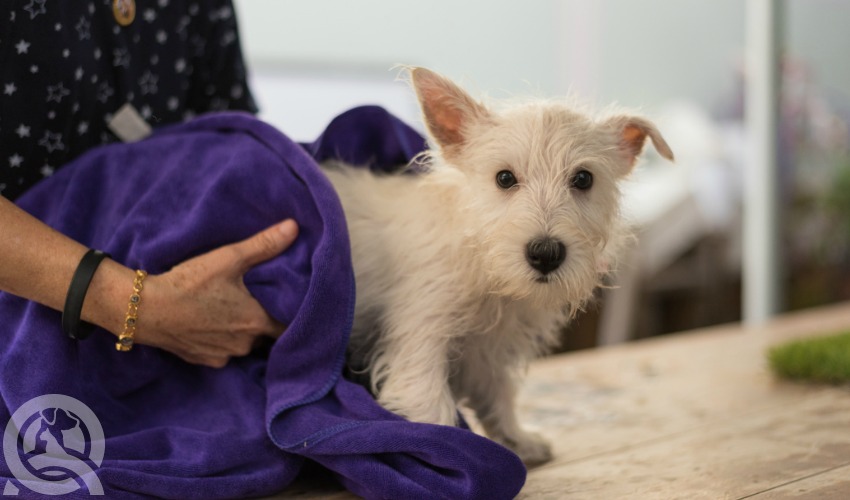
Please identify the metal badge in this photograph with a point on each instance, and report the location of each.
(124, 11)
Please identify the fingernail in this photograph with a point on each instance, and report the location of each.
(288, 228)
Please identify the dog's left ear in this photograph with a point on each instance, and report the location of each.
(448, 110)
(631, 133)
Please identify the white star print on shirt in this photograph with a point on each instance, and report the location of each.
(182, 25)
(228, 38)
(22, 47)
(147, 83)
(51, 141)
(84, 29)
(222, 13)
(16, 160)
(57, 92)
(121, 57)
(22, 131)
(35, 8)
(104, 92)
(10, 89)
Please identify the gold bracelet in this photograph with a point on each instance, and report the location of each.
(125, 340)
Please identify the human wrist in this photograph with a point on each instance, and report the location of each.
(72, 323)
(128, 332)
(105, 304)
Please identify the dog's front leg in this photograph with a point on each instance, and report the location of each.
(491, 391)
(413, 372)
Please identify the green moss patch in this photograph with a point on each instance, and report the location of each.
(824, 359)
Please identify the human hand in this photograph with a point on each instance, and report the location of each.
(201, 309)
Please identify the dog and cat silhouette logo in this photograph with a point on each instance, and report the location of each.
(52, 445)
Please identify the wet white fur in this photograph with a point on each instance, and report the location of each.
(448, 308)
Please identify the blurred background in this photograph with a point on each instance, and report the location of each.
(680, 62)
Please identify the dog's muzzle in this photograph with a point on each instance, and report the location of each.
(545, 254)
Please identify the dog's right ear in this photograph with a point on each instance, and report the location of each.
(447, 109)
(631, 133)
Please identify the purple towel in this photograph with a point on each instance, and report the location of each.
(176, 430)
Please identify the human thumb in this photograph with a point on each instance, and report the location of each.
(266, 244)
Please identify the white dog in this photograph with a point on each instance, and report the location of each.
(466, 272)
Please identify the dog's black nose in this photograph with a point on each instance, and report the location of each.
(545, 254)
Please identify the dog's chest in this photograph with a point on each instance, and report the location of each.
(515, 322)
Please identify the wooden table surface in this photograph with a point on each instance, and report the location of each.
(693, 415)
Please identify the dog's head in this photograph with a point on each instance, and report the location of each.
(539, 198)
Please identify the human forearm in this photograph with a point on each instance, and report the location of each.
(38, 263)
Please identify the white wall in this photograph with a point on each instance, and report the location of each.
(638, 53)
(497, 43)
(312, 60)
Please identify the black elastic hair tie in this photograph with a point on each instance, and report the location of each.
(71, 323)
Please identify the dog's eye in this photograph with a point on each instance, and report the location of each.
(582, 180)
(505, 179)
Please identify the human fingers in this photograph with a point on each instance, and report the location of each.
(263, 245)
(212, 349)
(259, 322)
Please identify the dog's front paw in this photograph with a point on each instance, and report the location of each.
(532, 449)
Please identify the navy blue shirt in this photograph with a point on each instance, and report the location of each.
(66, 66)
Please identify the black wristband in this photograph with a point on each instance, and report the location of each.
(71, 323)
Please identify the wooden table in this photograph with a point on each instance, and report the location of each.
(691, 416)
